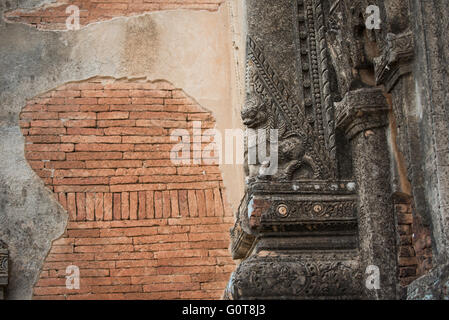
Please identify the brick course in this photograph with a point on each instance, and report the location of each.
(139, 226)
(414, 249)
(54, 17)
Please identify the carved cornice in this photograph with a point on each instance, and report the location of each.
(325, 210)
(396, 59)
(3, 269)
(304, 207)
(361, 110)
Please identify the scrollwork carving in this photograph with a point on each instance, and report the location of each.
(270, 106)
(295, 277)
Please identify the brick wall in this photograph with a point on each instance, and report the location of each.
(422, 243)
(54, 16)
(139, 225)
(415, 253)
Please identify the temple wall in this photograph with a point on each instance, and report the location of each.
(192, 50)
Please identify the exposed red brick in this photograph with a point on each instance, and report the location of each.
(413, 258)
(140, 227)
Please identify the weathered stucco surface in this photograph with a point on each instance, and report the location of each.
(191, 49)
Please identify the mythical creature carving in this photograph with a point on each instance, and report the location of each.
(270, 106)
(255, 113)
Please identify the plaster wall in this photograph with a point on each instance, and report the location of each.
(197, 51)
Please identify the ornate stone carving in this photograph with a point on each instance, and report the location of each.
(271, 106)
(395, 60)
(311, 209)
(242, 241)
(322, 215)
(346, 42)
(296, 277)
(313, 59)
(362, 109)
(3, 269)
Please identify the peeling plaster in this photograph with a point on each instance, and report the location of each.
(190, 49)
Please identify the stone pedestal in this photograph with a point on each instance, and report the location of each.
(305, 242)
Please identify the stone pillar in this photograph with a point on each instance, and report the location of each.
(3, 269)
(363, 116)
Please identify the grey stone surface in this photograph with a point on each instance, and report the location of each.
(432, 286)
(31, 217)
(431, 78)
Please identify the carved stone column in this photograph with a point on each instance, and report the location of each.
(3, 269)
(363, 116)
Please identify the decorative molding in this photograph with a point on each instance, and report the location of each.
(270, 105)
(258, 211)
(361, 110)
(314, 210)
(308, 276)
(242, 243)
(306, 187)
(314, 71)
(4, 257)
(323, 215)
(395, 60)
